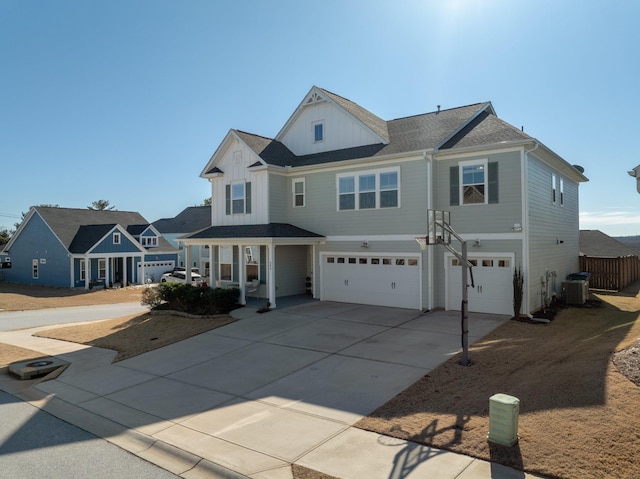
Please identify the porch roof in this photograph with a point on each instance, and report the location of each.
(272, 232)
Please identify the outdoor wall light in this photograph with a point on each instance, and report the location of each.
(365, 243)
(517, 227)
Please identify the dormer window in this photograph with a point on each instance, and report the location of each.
(318, 131)
(149, 241)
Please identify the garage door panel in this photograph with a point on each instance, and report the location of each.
(372, 279)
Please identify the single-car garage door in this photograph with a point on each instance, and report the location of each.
(382, 280)
(493, 284)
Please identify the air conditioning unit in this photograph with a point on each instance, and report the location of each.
(575, 292)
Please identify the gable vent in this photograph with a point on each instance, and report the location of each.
(314, 98)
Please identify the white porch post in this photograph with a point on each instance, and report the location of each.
(124, 271)
(271, 274)
(242, 273)
(187, 263)
(212, 272)
(107, 271)
(143, 279)
(87, 272)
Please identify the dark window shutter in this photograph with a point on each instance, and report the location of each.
(493, 182)
(454, 186)
(247, 196)
(228, 198)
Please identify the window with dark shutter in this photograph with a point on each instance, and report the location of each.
(493, 182)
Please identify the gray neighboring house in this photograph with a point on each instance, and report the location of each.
(595, 243)
(333, 203)
(189, 220)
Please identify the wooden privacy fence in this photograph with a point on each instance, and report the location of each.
(611, 274)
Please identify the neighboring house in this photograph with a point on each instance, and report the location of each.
(635, 173)
(81, 248)
(595, 243)
(189, 220)
(334, 203)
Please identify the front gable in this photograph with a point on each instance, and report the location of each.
(116, 240)
(325, 122)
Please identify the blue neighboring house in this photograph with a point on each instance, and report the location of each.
(82, 248)
(189, 220)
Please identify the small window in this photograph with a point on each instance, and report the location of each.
(318, 132)
(35, 269)
(455, 262)
(298, 193)
(352, 261)
(412, 262)
(503, 263)
(340, 260)
(487, 263)
(116, 238)
(400, 262)
(331, 259)
(362, 260)
(375, 260)
(386, 261)
(474, 262)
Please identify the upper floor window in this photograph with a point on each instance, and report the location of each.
(561, 192)
(553, 189)
(298, 187)
(368, 190)
(116, 238)
(238, 198)
(149, 241)
(473, 183)
(318, 131)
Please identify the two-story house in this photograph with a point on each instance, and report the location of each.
(71, 247)
(334, 203)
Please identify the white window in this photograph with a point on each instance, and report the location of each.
(116, 238)
(298, 193)
(561, 192)
(83, 271)
(226, 263)
(102, 268)
(149, 241)
(318, 131)
(35, 269)
(474, 182)
(369, 190)
(553, 189)
(238, 198)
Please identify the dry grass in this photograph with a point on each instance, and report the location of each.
(136, 334)
(10, 354)
(578, 414)
(19, 297)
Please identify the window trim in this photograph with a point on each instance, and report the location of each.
(356, 188)
(561, 192)
(102, 270)
(35, 269)
(220, 262)
(117, 239)
(150, 241)
(295, 182)
(484, 162)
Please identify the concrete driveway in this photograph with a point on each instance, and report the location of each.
(267, 391)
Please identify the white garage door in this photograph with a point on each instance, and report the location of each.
(382, 280)
(153, 270)
(493, 281)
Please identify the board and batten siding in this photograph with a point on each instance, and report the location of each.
(483, 218)
(554, 235)
(279, 198)
(321, 214)
(340, 131)
(234, 164)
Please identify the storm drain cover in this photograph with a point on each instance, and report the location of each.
(32, 368)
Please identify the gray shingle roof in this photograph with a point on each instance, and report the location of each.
(271, 230)
(79, 229)
(596, 243)
(192, 218)
(414, 133)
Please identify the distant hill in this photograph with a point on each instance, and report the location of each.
(633, 241)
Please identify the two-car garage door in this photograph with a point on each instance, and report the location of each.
(383, 280)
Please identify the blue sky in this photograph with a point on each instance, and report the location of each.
(126, 101)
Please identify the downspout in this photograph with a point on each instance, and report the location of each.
(430, 183)
(525, 225)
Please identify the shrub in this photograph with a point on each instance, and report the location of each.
(151, 297)
(197, 300)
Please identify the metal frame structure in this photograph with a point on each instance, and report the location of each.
(439, 231)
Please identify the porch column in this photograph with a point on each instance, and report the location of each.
(271, 274)
(87, 272)
(187, 263)
(72, 272)
(107, 272)
(125, 272)
(212, 272)
(242, 273)
(143, 279)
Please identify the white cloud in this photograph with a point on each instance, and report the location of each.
(613, 223)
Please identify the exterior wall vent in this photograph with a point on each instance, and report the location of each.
(503, 419)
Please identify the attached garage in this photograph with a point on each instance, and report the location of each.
(493, 283)
(378, 279)
(154, 269)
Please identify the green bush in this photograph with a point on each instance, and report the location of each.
(194, 299)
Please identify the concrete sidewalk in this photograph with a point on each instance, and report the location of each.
(253, 397)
